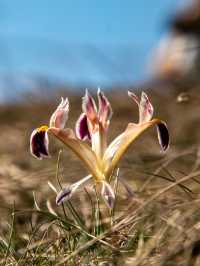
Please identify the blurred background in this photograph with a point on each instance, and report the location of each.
(50, 49)
(79, 44)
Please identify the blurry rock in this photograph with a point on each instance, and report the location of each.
(183, 97)
(178, 56)
(188, 20)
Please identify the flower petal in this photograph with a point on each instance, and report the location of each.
(108, 194)
(81, 149)
(119, 146)
(39, 142)
(105, 110)
(145, 109)
(128, 189)
(64, 195)
(89, 107)
(81, 129)
(60, 116)
(67, 192)
(134, 97)
(112, 149)
(163, 135)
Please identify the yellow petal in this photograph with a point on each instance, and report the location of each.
(119, 146)
(81, 149)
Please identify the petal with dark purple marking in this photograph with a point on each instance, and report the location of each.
(39, 143)
(163, 135)
(108, 194)
(66, 193)
(81, 129)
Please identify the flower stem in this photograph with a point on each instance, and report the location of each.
(97, 228)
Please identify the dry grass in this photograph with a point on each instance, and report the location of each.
(159, 226)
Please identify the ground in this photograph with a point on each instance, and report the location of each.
(158, 226)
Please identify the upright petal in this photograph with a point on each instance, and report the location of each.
(81, 129)
(60, 116)
(97, 132)
(105, 110)
(145, 109)
(89, 107)
(134, 97)
(108, 194)
(39, 143)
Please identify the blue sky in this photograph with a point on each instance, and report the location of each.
(97, 42)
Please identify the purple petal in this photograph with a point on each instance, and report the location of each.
(105, 110)
(163, 135)
(89, 107)
(145, 109)
(81, 129)
(39, 143)
(108, 194)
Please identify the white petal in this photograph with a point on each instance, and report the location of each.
(60, 116)
(134, 97)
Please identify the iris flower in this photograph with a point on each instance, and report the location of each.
(89, 140)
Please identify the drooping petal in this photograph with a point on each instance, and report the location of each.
(163, 135)
(119, 146)
(81, 149)
(64, 195)
(81, 129)
(89, 107)
(60, 116)
(145, 109)
(105, 110)
(127, 188)
(39, 143)
(108, 194)
(67, 192)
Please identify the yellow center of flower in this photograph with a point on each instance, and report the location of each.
(42, 129)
